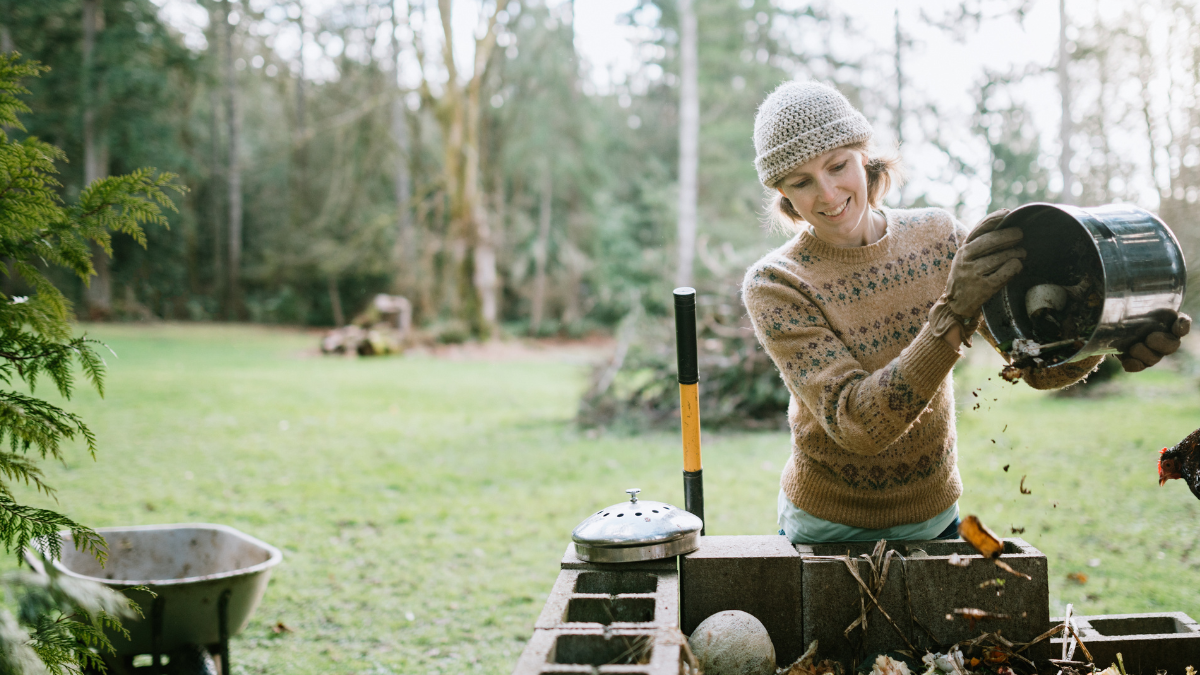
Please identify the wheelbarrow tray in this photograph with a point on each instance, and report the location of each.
(197, 571)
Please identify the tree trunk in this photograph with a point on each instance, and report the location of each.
(404, 253)
(233, 308)
(214, 202)
(469, 226)
(1065, 129)
(689, 141)
(541, 251)
(98, 294)
(6, 41)
(335, 302)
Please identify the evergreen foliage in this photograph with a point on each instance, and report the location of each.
(61, 622)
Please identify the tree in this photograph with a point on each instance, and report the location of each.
(64, 621)
(459, 111)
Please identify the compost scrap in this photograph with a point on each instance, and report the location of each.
(1061, 286)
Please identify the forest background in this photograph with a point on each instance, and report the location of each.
(473, 158)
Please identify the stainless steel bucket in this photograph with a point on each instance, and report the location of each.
(1133, 256)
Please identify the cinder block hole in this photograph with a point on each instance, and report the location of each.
(606, 611)
(1142, 625)
(613, 583)
(596, 650)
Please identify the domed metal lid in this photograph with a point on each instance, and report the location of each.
(636, 530)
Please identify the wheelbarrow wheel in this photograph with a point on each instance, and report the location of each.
(190, 660)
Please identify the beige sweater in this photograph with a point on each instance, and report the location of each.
(872, 407)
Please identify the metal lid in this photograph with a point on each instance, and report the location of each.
(636, 530)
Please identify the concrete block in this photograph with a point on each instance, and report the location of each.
(587, 652)
(1147, 643)
(570, 561)
(591, 599)
(759, 575)
(832, 596)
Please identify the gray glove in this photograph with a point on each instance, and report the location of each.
(1156, 345)
(987, 260)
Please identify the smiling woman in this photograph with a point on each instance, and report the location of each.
(864, 313)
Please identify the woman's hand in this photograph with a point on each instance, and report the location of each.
(987, 260)
(1156, 345)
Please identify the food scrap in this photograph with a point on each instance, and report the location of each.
(958, 560)
(979, 536)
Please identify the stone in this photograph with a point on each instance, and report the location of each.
(757, 574)
(733, 643)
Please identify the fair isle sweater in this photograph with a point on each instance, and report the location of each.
(872, 403)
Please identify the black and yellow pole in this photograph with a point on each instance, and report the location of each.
(689, 400)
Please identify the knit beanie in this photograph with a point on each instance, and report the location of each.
(799, 121)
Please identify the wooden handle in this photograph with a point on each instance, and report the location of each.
(689, 413)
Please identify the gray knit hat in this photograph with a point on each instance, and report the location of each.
(799, 121)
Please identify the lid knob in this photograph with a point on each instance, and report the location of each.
(633, 493)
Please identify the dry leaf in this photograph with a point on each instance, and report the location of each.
(281, 627)
(1016, 530)
(1078, 577)
(979, 536)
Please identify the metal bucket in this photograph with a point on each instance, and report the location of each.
(1134, 258)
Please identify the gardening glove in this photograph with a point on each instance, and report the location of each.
(1156, 345)
(986, 261)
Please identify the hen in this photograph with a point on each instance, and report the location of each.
(1182, 461)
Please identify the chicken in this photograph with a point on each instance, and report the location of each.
(1182, 461)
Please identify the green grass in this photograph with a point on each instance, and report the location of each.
(446, 491)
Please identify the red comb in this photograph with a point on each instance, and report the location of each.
(1162, 451)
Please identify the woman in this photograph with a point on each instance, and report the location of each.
(865, 312)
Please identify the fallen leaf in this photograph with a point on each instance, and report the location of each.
(979, 536)
(1016, 530)
(281, 627)
(1078, 577)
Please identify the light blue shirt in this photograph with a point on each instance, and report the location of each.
(802, 527)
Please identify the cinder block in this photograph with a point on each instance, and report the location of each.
(591, 599)
(934, 590)
(570, 561)
(1147, 643)
(586, 652)
(759, 575)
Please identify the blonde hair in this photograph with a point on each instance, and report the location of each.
(882, 171)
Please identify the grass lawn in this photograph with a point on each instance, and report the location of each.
(422, 504)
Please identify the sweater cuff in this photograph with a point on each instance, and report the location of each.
(927, 361)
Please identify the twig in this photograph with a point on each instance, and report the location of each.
(853, 567)
(1083, 647)
(1048, 634)
(1008, 568)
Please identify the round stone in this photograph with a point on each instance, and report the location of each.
(733, 643)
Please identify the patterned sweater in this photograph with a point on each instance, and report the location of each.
(872, 406)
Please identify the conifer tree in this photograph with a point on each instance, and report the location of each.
(61, 622)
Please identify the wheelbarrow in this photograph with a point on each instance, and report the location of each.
(206, 580)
